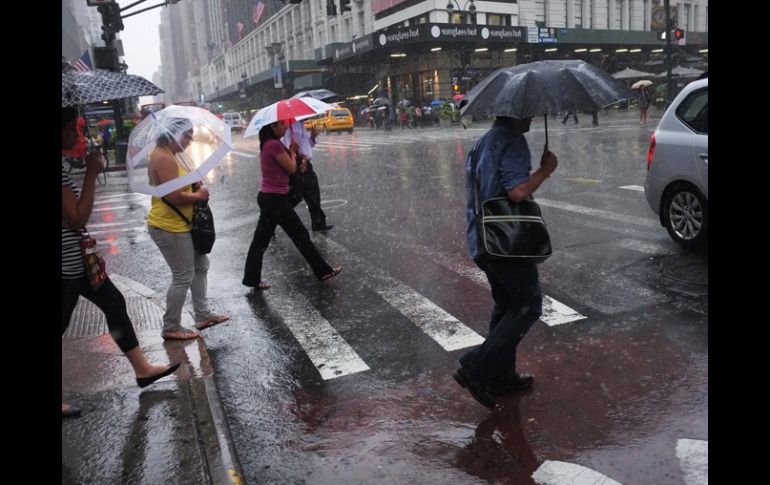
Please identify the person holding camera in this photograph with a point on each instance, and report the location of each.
(76, 210)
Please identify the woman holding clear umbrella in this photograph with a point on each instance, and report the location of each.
(76, 209)
(171, 233)
(276, 164)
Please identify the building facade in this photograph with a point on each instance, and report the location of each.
(407, 49)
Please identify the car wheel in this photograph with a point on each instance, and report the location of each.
(686, 216)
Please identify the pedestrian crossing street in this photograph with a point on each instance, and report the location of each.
(115, 221)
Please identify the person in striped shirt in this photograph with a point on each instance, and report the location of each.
(76, 210)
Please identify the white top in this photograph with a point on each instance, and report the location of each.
(301, 135)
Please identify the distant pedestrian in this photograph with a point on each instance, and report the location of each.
(77, 206)
(276, 164)
(595, 116)
(644, 104)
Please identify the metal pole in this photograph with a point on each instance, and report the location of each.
(669, 80)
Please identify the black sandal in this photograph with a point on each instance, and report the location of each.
(335, 272)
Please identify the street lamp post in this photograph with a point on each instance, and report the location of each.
(450, 7)
(464, 57)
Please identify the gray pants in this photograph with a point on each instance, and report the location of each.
(189, 270)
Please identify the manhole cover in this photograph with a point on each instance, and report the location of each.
(690, 272)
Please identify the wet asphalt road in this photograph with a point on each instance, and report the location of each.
(349, 381)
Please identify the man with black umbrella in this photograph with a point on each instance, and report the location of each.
(503, 167)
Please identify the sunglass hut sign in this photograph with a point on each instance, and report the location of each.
(428, 32)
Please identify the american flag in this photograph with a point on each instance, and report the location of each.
(84, 63)
(259, 9)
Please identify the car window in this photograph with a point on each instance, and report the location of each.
(694, 110)
(340, 113)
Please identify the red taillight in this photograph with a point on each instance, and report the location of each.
(652, 150)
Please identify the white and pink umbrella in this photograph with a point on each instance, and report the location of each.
(284, 110)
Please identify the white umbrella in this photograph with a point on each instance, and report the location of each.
(210, 143)
(284, 110)
(629, 73)
(639, 84)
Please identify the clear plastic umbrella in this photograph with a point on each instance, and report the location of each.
(210, 143)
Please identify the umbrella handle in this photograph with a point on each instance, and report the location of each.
(545, 118)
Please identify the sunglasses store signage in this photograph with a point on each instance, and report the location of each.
(450, 32)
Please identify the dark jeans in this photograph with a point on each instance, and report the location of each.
(311, 193)
(518, 304)
(109, 300)
(276, 210)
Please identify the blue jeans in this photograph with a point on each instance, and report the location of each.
(518, 304)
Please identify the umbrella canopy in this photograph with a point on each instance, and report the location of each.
(381, 102)
(629, 73)
(78, 88)
(105, 122)
(284, 110)
(437, 102)
(639, 84)
(210, 143)
(458, 97)
(322, 94)
(543, 87)
(683, 72)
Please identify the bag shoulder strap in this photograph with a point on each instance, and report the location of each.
(474, 163)
(176, 210)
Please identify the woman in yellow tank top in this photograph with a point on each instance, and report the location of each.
(189, 269)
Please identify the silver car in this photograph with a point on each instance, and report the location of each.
(677, 184)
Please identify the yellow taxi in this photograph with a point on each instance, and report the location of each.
(318, 121)
(338, 119)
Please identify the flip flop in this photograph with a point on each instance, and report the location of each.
(186, 334)
(335, 272)
(211, 321)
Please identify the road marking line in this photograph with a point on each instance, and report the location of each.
(123, 283)
(563, 473)
(640, 221)
(244, 154)
(327, 350)
(557, 313)
(111, 224)
(446, 330)
(583, 180)
(637, 188)
(693, 460)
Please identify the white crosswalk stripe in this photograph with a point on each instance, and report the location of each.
(329, 352)
(446, 330)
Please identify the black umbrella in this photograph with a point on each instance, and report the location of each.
(543, 87)
(80, 88)
(319, 94)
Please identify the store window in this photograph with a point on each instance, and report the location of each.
(462, 18)
(495, 19)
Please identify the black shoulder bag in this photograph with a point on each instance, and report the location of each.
(508, 230)
(201, 226)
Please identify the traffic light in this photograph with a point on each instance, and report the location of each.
(678, 34)
(344, 5)
(456, 88)
(331, 7)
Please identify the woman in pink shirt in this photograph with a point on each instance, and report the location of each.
(276, 164)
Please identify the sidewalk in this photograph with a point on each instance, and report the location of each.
(173, 431)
